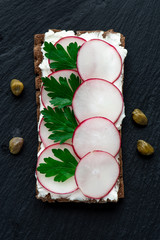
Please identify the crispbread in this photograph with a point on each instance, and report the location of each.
(38, 57)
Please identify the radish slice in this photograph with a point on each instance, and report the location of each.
(97, 174)
(96, 133)
(97, 97)
(47, 182)
(62, 73)
(44, 135)
(65, 41)
(99, 59)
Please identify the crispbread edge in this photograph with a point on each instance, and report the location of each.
(38, 57)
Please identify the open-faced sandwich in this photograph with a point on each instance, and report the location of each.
(80, 108)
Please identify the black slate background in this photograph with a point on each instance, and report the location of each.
(21, 215)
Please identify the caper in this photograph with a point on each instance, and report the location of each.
(139, 117)
(15, 145)
(16, 87)
(144, 148)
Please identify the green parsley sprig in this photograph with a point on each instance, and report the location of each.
(61, 92)
(62, 59)
(60, 170)
(61, 122)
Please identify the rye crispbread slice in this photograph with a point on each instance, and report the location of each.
(38, 57)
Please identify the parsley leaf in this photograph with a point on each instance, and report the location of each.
(61, 92)
(61, 122)
(62, 59)
(60, 170)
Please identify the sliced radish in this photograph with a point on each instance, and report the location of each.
(65, 41)
(44, 135)
(62, 73)
(97, 97)
(99, 59)
(96, 133)
(47, 182)
(96, 174)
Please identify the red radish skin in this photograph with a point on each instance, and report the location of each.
(104, 100)
(62, 73)
(65, 41)
(43, 181)
(84, 71)
(90, 174)
(91, 140)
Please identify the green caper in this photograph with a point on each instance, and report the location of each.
(16, 87)
(139, 117)
(144, 148)
(15, 145)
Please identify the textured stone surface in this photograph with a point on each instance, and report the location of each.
(24, 217)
